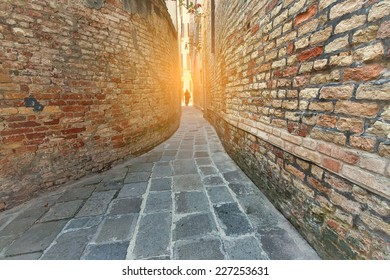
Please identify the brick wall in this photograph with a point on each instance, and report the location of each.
(107, 74)
(299, 93)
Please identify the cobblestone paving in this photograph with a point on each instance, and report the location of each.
(185, 199)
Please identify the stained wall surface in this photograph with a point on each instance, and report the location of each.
(107, 74)
(299, 92)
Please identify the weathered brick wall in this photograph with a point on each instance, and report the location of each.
(299, 92)
(107, 73)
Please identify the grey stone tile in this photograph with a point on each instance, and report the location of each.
(201, 148)
(171, 153)
(219, 194)
(137, 177)
(219, 157)
(141, 167)
(116, 229)
(201, 154)
(69, 245)
(153, 238)
(208, 170)
(247, 248)
(112, 251)
(109, 185)
(279, 245)
(210, 249)
(232, 220)
(184, 166)
(29, 257)
(62, 210)
(18, 226)
(213, 180)
(97, 204)
(158, 201)
(261, 213)
(185, 154)
(193, 226)
(125, 206)
(189, 202)
(77, 193)
(162, 169)
(242, 189)
(226, 166)
(187, 183)
(133, 190)
(5, 241)
(83, 223)
(161, 184)
(37, 238)
(236, 176)
(203, 161)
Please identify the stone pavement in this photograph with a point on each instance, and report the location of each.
(185, 199)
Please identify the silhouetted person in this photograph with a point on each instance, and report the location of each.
(187, 97)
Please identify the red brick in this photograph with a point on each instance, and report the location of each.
(310, 53)
(24, 124)
(299, 129)
(309, 13)
(318, 185)
(255, 28)
(364, 73)
(331, 164)
(73, 130)
(295, 171)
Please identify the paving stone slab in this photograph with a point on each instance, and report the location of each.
(112, 251)
(153, 238)
(97, 204)
(219, 194)
(125, 206)
(233, 221)
(170, 152)
(260, 211)
(199, 250)
(161, 184)
(203, 161)
(184, 166)
(141, 167)
(62, 210)
(187, 183)
(190, 202)
(158, 202)
(247, 248)
(279, 245)
(18, 226)
(69, 245)
(226, 166)
(135, 177)
(201, 154)
(26, 257)
(37, 238)
(109, 185)
(133, 190)
(243, 189)
(194, 226)
(236, 176)
(208, 170)
(213, 181)
(123, 225)
(162, 169)
(77, 193)
(185, 154)
(83, 223)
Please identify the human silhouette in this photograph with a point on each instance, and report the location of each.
(187, 96)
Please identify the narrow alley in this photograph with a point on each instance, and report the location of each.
(185, 199)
